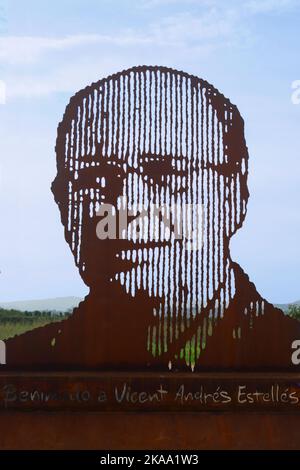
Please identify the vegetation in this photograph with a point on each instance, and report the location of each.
(15, 322)
(294, 311)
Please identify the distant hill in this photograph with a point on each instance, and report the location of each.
(58, 304)
(285, 307)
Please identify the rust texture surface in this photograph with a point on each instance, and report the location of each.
(143, 138)
(149, 431)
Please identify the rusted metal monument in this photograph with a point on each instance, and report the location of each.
(151, 185)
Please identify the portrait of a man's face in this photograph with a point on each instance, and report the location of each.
(150, 194)
(151, 185)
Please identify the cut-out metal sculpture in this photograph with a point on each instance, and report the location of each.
(164, 292)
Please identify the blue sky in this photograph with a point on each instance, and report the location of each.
(248, 49)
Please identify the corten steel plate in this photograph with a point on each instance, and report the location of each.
(151, 185)
(127, 431)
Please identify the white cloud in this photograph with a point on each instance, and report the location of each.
(187, 28)
(29, 49)
(26, 49)
(50, 64)
(158, 3)
(254, 6)
(87, 57)
(67, 78)
(182, 29)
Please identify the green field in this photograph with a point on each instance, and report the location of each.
(15, 322)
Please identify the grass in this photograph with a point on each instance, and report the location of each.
(15, 322)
